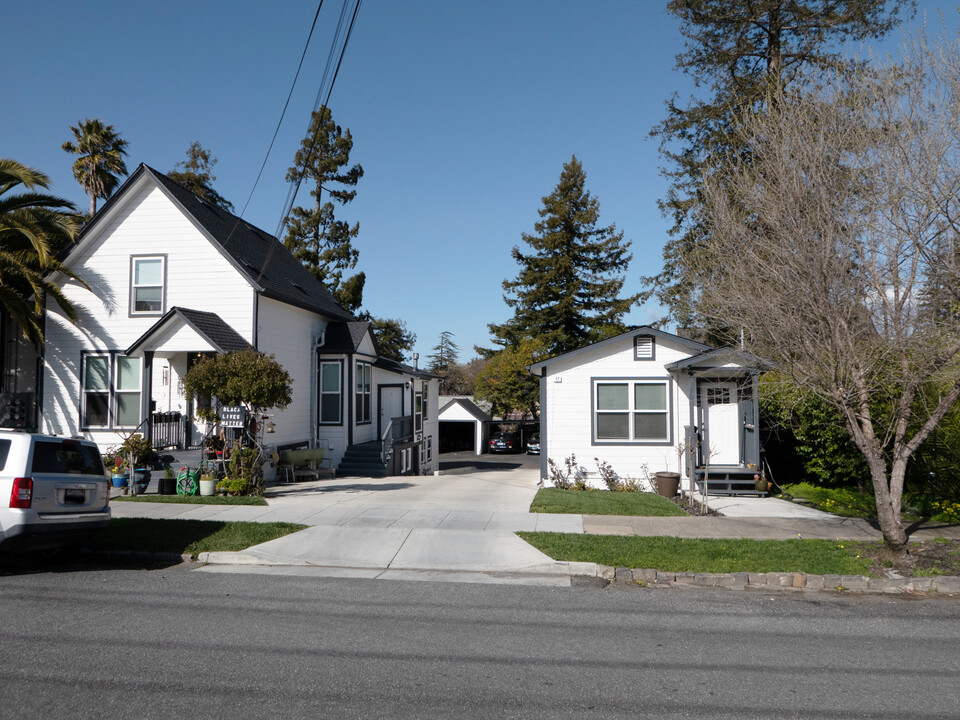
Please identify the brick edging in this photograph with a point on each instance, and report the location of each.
(784, 581)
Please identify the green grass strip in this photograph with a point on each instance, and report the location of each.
(603, 502)
(194, 499)
(187, 536)
(671, 554)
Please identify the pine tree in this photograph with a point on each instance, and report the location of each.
(445, 354)
(314, 235)
(196, 174)
(567, 293)
(747, 53)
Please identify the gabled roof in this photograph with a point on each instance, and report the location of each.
(712, 359)
(691, 345)
(346, 337)
(467, 403)
(270, 268)
(209, 326)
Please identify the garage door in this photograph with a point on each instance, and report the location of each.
(457, 436)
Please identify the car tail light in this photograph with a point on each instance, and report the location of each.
(21, 495)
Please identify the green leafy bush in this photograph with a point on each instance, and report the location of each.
(234, 486)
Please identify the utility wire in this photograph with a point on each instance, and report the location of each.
(313, 144)
(279, 123)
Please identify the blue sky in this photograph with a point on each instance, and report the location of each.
(462, 116)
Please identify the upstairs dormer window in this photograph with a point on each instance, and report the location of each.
(148, 284)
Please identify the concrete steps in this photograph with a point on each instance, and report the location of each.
(362, 460)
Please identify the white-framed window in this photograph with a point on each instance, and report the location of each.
(429, 446)
(364, 374)
(147, 284)
(418, 412)
(111, 391)
(328, 385)
(95, 404)
(126, 395)
(631, 411)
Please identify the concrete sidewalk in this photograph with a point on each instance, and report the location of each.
(461, 527)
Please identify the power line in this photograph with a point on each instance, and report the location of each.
(291, 196)
(275, 132)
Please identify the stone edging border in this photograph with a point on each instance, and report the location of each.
(781, 581)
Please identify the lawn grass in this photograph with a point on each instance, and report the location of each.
(603, 502)
(186, 536)
(670, 554)
(194, 499)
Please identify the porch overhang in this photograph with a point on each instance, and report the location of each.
(185, 330)
(722, 362)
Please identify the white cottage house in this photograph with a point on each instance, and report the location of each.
(171, 278)
(648, 401)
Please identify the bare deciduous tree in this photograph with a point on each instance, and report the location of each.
(839, 249)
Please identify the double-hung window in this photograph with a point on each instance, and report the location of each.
(111, 391)
(147, 275)
(631, 411)
(364, 374)
(329, 389)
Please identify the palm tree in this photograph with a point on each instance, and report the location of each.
(34, 226)
(100, 165)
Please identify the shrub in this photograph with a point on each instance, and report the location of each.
(234, 486)
(569, 476)
(609, 475)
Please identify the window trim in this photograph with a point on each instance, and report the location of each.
(112, 392)
(631, 382)
(132, 311)
(320, 393)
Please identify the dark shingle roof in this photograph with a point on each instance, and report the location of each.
(257, 254)
(344, 337)
(208, 325)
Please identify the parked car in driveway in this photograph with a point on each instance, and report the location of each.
(533, 444)
(504, 442)
(53, 490)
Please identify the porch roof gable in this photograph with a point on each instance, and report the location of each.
(205, 327)
(725, 357)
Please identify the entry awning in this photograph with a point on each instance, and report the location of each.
(186, 330)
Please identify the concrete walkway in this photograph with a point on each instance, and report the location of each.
(461, 527)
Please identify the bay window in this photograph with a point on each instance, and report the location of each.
(329, 390)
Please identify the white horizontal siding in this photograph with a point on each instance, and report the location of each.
(198, 276)
(290, 335)
(568, 388)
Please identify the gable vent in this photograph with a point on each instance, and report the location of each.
(643, 347)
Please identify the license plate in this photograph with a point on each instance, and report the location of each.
(74, 496)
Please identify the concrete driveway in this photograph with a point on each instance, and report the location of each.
(459, 525)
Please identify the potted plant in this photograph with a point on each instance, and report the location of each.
(136, 449)
(119, 478)
(208, 485)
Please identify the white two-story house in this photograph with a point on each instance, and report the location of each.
(172, 278)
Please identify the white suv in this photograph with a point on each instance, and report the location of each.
(52, 490)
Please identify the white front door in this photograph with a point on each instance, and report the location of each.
(721, 420)
(391, 404)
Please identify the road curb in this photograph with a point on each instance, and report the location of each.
(946, 585)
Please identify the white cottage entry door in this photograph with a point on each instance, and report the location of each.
(721, 419)
(391, 404)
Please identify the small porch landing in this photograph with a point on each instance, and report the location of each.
(727, 480)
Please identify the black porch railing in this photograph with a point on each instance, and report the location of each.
(166, 430)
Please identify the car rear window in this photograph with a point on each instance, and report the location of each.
(4, 451)
(66, 458)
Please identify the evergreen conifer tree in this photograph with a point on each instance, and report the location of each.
(567, 293)
(314, 235)
(748, 54)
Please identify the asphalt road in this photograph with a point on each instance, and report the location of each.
(102, 643)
